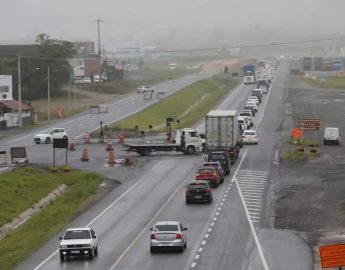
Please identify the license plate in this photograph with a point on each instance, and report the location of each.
(75, 252)
(197, 197)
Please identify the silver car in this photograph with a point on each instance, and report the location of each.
(168, 234)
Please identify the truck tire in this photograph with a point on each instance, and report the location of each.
(147, 152)
(190, 150)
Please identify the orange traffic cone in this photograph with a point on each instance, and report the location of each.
(122, 137)
(71, 146)
(128, 159)
(87, 138)
(111, 159)
(85, 155)
(109, 146)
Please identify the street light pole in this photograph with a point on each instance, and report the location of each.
(20, 94)
(48, 93)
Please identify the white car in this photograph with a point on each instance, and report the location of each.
(252, 104)
(242, 123)
(49, 135)
(78, 242)
(168, 234)
(255, 99)
(331, 135)
(250, 136)
(145, 89)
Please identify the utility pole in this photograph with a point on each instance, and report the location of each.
(20, 94)
(48, 93)
(99, 38)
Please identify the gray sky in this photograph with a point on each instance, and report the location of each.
(180, 22)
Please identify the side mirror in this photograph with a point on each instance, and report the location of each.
(94, 236)
(185, 229)
(60, 238)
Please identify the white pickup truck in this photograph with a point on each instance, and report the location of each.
(78, 242)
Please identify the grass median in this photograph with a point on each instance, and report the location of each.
(188, 105)
(23, 187)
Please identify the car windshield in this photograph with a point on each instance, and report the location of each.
(77, 234)
(166, 228)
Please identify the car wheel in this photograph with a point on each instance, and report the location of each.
(48, 140)
(152, 250)
(62, 257)
(338, 142)
(37, 142)
(91, 254)
(185, 244)
(209, 201)
(96, 250)
(180, 249)
(187, 201)
(64, 137)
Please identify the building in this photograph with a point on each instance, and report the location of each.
(9, 108)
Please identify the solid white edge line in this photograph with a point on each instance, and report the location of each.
(99, 215)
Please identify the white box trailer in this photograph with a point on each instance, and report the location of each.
(221, 129)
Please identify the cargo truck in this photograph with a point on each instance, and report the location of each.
(223, 140)
(186, 140)
(249, 74)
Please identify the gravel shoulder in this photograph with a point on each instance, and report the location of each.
(310, 192)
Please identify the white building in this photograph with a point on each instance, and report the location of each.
(9, 108)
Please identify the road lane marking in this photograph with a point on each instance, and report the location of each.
(124, 253)
(101, 214)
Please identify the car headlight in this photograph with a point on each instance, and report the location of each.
(87, 245)
(63, 246)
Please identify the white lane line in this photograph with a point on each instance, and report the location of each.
(221, 204)
(193, 265)
(219, 208)
(252, 196)
(254, 199)
(124, 253)
(217, 213)
(255, 189)
(245, 185)
(256, 239)
(252, 176)
(209, 230)
(203, 243)
(101, 214)
(256, 172)
(214, 218)
(256, 192)
(251, 180)
(200, 250)
(197, 257)
(212, 224)
(207, 235)
(253, 203)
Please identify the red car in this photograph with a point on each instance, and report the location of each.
(210, 174)
(218, 167)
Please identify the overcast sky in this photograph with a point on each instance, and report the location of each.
(181, 20)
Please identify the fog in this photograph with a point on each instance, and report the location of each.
(172, 24)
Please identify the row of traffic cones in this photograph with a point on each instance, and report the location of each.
(87, 139)
(111, 157)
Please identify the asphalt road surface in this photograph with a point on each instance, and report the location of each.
(223, 235)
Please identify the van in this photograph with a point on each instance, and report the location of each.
(331, 135)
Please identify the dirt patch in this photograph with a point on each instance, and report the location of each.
(311, 192)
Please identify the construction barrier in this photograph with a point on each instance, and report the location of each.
(87, 138)
(71, 146)
(111, 159)
(128, 159)
(85, 155)
(122, 137)
(109, 146)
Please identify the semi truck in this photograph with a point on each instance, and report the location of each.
(186, 140)
(295, 66)
(223, 141)
(248, 74)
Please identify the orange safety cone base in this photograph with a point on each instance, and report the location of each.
(111, 159)
(85, 155)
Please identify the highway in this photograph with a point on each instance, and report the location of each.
(219, 235)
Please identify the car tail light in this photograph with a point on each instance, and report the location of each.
(187, 191)
(198, 174)
(208, 190)
(153, 236)
(178, 236)
(243, 137)
(214, 174)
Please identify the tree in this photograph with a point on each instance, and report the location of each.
(52, 53)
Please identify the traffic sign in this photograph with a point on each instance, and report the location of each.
(309, 124)
(332, 256)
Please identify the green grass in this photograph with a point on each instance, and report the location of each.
(28, 185)
(330, 82)
(122, 87)
(292, 154)
(212, 90)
